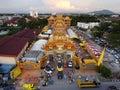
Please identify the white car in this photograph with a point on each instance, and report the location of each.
(116, 61)
(70, 64)
(107, 49)
(59, 61)
(116, 56)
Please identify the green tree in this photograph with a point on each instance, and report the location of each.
(42, 23)
(114, 36)
(83, 18)
(13, 31)
(22, 22)
(98, 31)
(104, 26)
(114, 40)
(105, 72)
(33, 24)
(4, 24)
(116, 28)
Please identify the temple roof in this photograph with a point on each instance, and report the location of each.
(67, 18)
(59, 24)
(65, 43)
(59, 17)
(51, 18)
(45, 29)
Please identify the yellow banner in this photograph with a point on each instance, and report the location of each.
(101, 57)
(15, 72)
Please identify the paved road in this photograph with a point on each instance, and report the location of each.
(66, 86)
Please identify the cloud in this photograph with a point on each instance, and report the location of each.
(65, 5)
(68, 5)
(59, 5)
(55, 5)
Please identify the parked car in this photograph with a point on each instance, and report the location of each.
(49, 68)
(118, 50)
(60, 75)
(112, 88)
(116, 56)
(70, 64)
(101, 44)
(114, 52)
(108, 50)
(65, 65)
(45, 83)
(116, 61)
(59, 61)
(59, 67)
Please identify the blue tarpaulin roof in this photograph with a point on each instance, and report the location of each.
(6, 68)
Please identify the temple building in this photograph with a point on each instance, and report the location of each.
(60, 45)
(59, 42)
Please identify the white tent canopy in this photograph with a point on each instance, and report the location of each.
(49, 31)
(36, 51)
(44, 35)
(33, 56)
(39, 44)
(71, 33)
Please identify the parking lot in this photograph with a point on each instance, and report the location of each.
(112, 55)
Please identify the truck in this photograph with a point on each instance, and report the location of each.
(87, 84)
(28, 87)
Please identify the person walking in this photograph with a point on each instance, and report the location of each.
(39, 87)
(65, 77)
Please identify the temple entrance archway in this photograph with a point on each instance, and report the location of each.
(29, 65)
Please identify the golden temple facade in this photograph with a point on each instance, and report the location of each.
(59, 43)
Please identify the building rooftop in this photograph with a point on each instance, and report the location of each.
(32, 19)
(27, 33)
(12, 46)
(6, 68)
(13, 20)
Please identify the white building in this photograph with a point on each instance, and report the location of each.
(87, 25)
(33, 14)
(114, 15)
(11, 49)
(3, 19)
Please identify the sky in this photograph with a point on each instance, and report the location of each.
(55, 6)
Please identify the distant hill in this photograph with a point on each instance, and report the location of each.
(108, 12)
